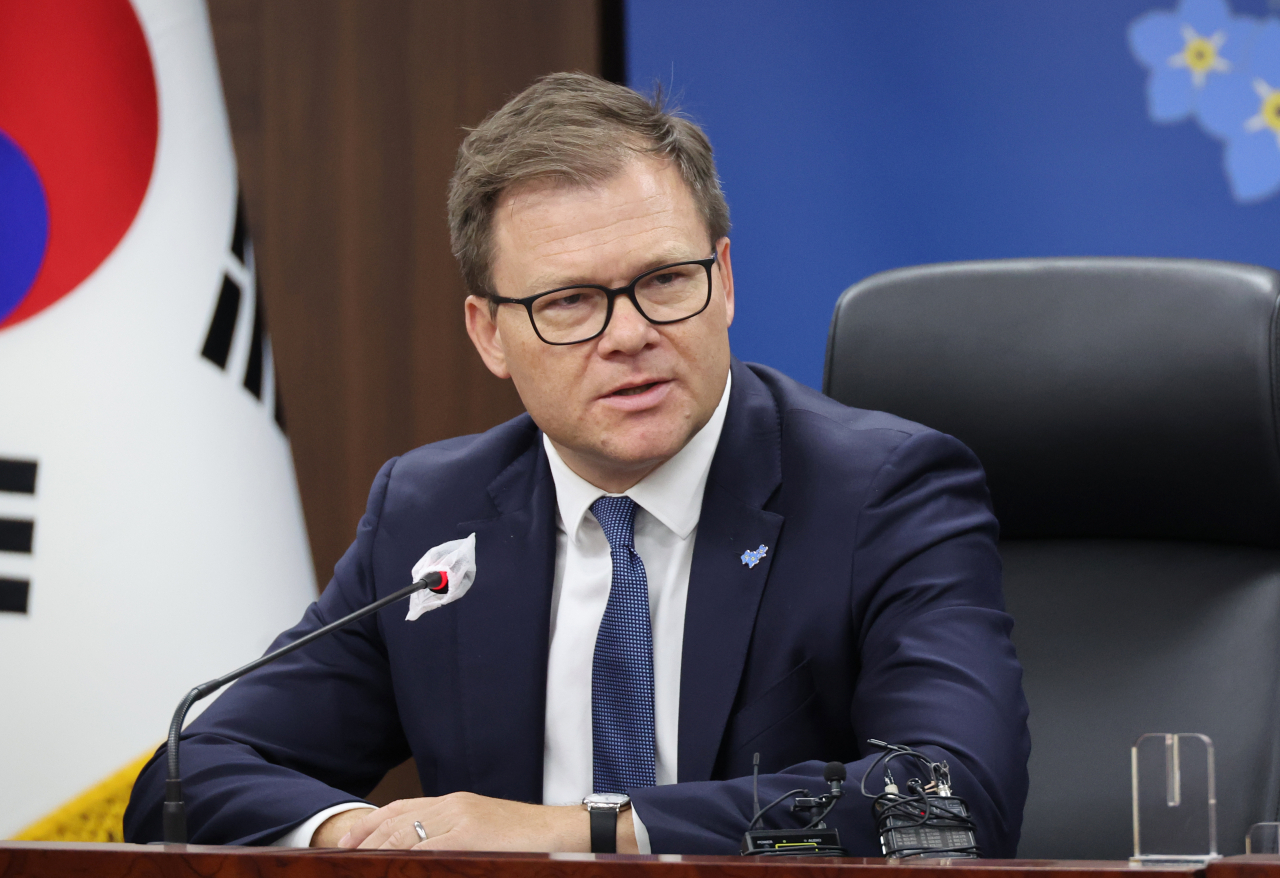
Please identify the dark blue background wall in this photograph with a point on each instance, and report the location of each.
(858, 136)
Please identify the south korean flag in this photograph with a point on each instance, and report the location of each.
(151, 535)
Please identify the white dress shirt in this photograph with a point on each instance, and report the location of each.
(666, 524)
(669, 501)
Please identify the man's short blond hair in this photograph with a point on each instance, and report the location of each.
(580, 130)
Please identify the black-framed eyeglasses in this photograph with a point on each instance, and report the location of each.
(662, 295)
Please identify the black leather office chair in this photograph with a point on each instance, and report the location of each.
(1126, 413)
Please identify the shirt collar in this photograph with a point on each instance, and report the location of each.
(672, 493)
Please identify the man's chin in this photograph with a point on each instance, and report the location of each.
(616, 468)
(644, 441)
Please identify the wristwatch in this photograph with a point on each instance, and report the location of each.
(603, 809)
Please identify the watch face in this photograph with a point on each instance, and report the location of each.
(607, 799)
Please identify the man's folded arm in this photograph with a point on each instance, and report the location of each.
(938, 670)
(315, 729)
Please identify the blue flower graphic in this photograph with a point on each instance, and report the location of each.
(1186, 50)
(1243, 108)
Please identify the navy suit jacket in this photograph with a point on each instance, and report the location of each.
(876, 613)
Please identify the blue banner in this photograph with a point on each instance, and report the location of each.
(854, 137)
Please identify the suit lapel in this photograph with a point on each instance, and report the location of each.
(724, 592)
(503, 629)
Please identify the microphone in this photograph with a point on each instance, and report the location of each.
(835, 775)
(175, 810)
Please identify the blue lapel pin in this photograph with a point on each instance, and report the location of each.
(751, 557)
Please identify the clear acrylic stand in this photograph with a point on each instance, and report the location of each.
(1174, 803)
(1263, 838)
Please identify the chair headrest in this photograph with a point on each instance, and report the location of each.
(1107, 397)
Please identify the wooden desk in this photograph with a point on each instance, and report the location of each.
(120, 860)
(1257, 866)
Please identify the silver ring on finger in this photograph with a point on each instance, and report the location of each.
(422, 833)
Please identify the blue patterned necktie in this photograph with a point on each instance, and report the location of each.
(622, 673)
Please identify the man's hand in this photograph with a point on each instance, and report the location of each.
(328, 834)
(465, 821)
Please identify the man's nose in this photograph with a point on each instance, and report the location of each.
(628, 330)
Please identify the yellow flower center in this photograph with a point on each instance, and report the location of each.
(1270, 111)
(1200, 54)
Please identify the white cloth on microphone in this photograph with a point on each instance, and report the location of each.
(458, 559)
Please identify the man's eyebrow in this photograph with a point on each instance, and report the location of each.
(545, 282)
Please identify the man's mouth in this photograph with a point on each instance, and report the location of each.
(633, 391)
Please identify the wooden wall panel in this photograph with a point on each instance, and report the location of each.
(346, 116)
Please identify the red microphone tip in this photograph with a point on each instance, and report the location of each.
(443, 587)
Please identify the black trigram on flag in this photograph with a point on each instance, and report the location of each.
(17, 531)
(238, 278)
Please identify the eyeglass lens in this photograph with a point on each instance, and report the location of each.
(578, 313)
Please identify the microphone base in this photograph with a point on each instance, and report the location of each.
(175, 823)
(792, 843)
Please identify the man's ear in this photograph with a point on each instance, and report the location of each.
(482, 326)
(725, 267)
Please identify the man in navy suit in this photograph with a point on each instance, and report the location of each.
(682, 560)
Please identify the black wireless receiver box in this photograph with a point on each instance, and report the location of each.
(947, 828)
(782, 841)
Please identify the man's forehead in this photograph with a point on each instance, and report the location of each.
(546, 227)
(649, 177)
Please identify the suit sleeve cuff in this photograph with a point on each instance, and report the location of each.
(300, 835)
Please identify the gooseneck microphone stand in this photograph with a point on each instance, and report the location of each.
(175, 810)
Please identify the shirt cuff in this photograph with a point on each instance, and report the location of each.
(642, 833)
(300, 835)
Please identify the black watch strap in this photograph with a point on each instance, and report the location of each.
(604, 830)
